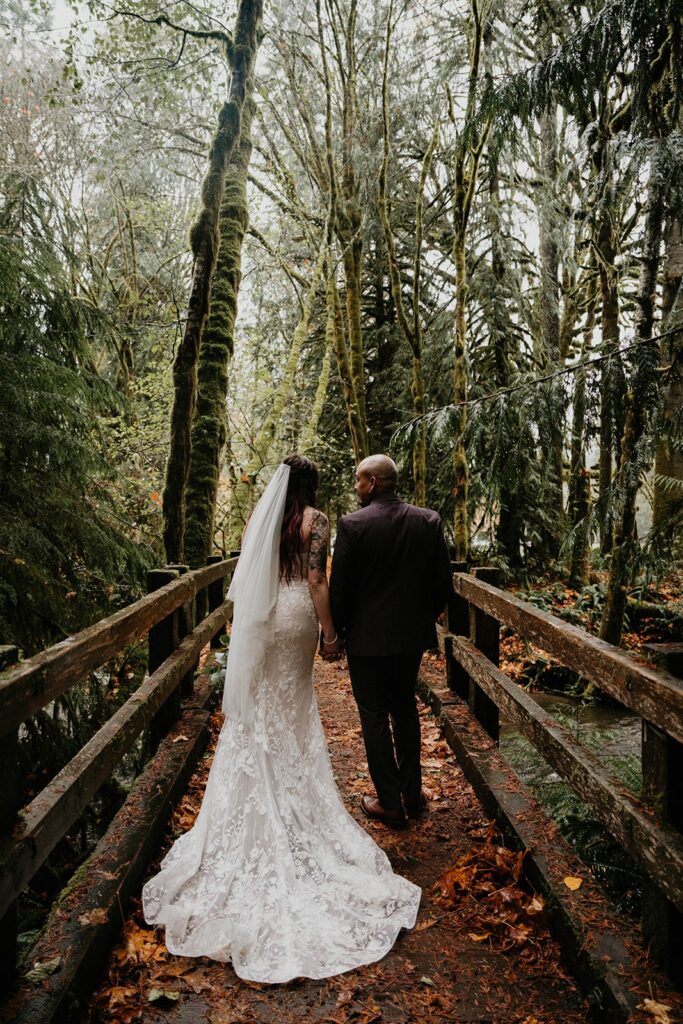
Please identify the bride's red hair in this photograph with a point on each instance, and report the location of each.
(301, 491)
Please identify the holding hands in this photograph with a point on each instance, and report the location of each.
(331, 649)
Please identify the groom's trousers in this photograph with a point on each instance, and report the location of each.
(384, 689)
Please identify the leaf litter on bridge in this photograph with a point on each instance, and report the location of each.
(481, 951)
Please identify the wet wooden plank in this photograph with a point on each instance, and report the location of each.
(655, 695)
(87, 918)
(48, 817)
(656, 847)
(593, 937)
(38, 680)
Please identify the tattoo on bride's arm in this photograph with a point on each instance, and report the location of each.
(317, 557)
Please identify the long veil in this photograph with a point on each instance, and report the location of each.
(254, 593)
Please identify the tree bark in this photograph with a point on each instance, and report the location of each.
(465, 172)
(611, 371)
(344, 220)
(411, 330)
(668, 482)
(579, 477)
(640, 401)
(501, 331)
(209, 427)
(335, 324)
(550, 332)
(204, 243)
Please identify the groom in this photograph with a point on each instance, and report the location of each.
(390, 579)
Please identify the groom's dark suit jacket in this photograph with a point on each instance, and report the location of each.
(391, 577)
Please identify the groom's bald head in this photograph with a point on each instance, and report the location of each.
(375, 475)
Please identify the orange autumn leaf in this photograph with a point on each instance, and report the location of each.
(572, 883)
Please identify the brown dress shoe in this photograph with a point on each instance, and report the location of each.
(414, 811)
(372, 808)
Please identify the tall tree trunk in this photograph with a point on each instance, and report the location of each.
(204, 242)
(461, 533)
(209, 427)
(550, 331)
(611, 370)
(335, 324)
(310, 431)
(465, 172)
(411, 330)
(669, 458)
(349, 357)
(579, 477)
(501, 330)
(640, 400)
(352, 261)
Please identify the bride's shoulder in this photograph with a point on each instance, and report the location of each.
(314, 513)
(315, 521)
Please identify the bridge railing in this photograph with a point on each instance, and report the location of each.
(649, 826)
(183, 612)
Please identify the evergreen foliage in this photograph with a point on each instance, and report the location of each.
(65, 559)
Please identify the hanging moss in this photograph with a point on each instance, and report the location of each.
(209, 427)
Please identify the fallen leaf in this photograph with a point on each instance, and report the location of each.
(535, 906)
(659, 1011)
(178, 739)
(118, 994)
(156, 994)
(424, 980)
(572, 883)
(197, 981)
(346, 995)
(97, 916)
(41, 971)
(478, 938)
(429, 922)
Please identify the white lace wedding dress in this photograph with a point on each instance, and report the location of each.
(275, 875)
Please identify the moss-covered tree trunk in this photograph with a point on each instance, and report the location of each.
(501, 332)
(579, 477)
(549, 309)
(309, 433)
(640, 402)
(465, 172)
(668, 484)
(204, 241)
(411, 329)
(209, 427)
(611, 370)
(344, 220)
(335, 324)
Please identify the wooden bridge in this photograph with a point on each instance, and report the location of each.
(183, 613)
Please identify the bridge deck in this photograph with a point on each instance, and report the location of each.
(484, 956)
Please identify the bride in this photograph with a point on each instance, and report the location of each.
(275, 876)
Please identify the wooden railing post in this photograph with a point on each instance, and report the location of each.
(162, 641)
(662, 759)
(216, 594)
(458, 623)
(10, 802)
(186, 623)
(485, 636)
